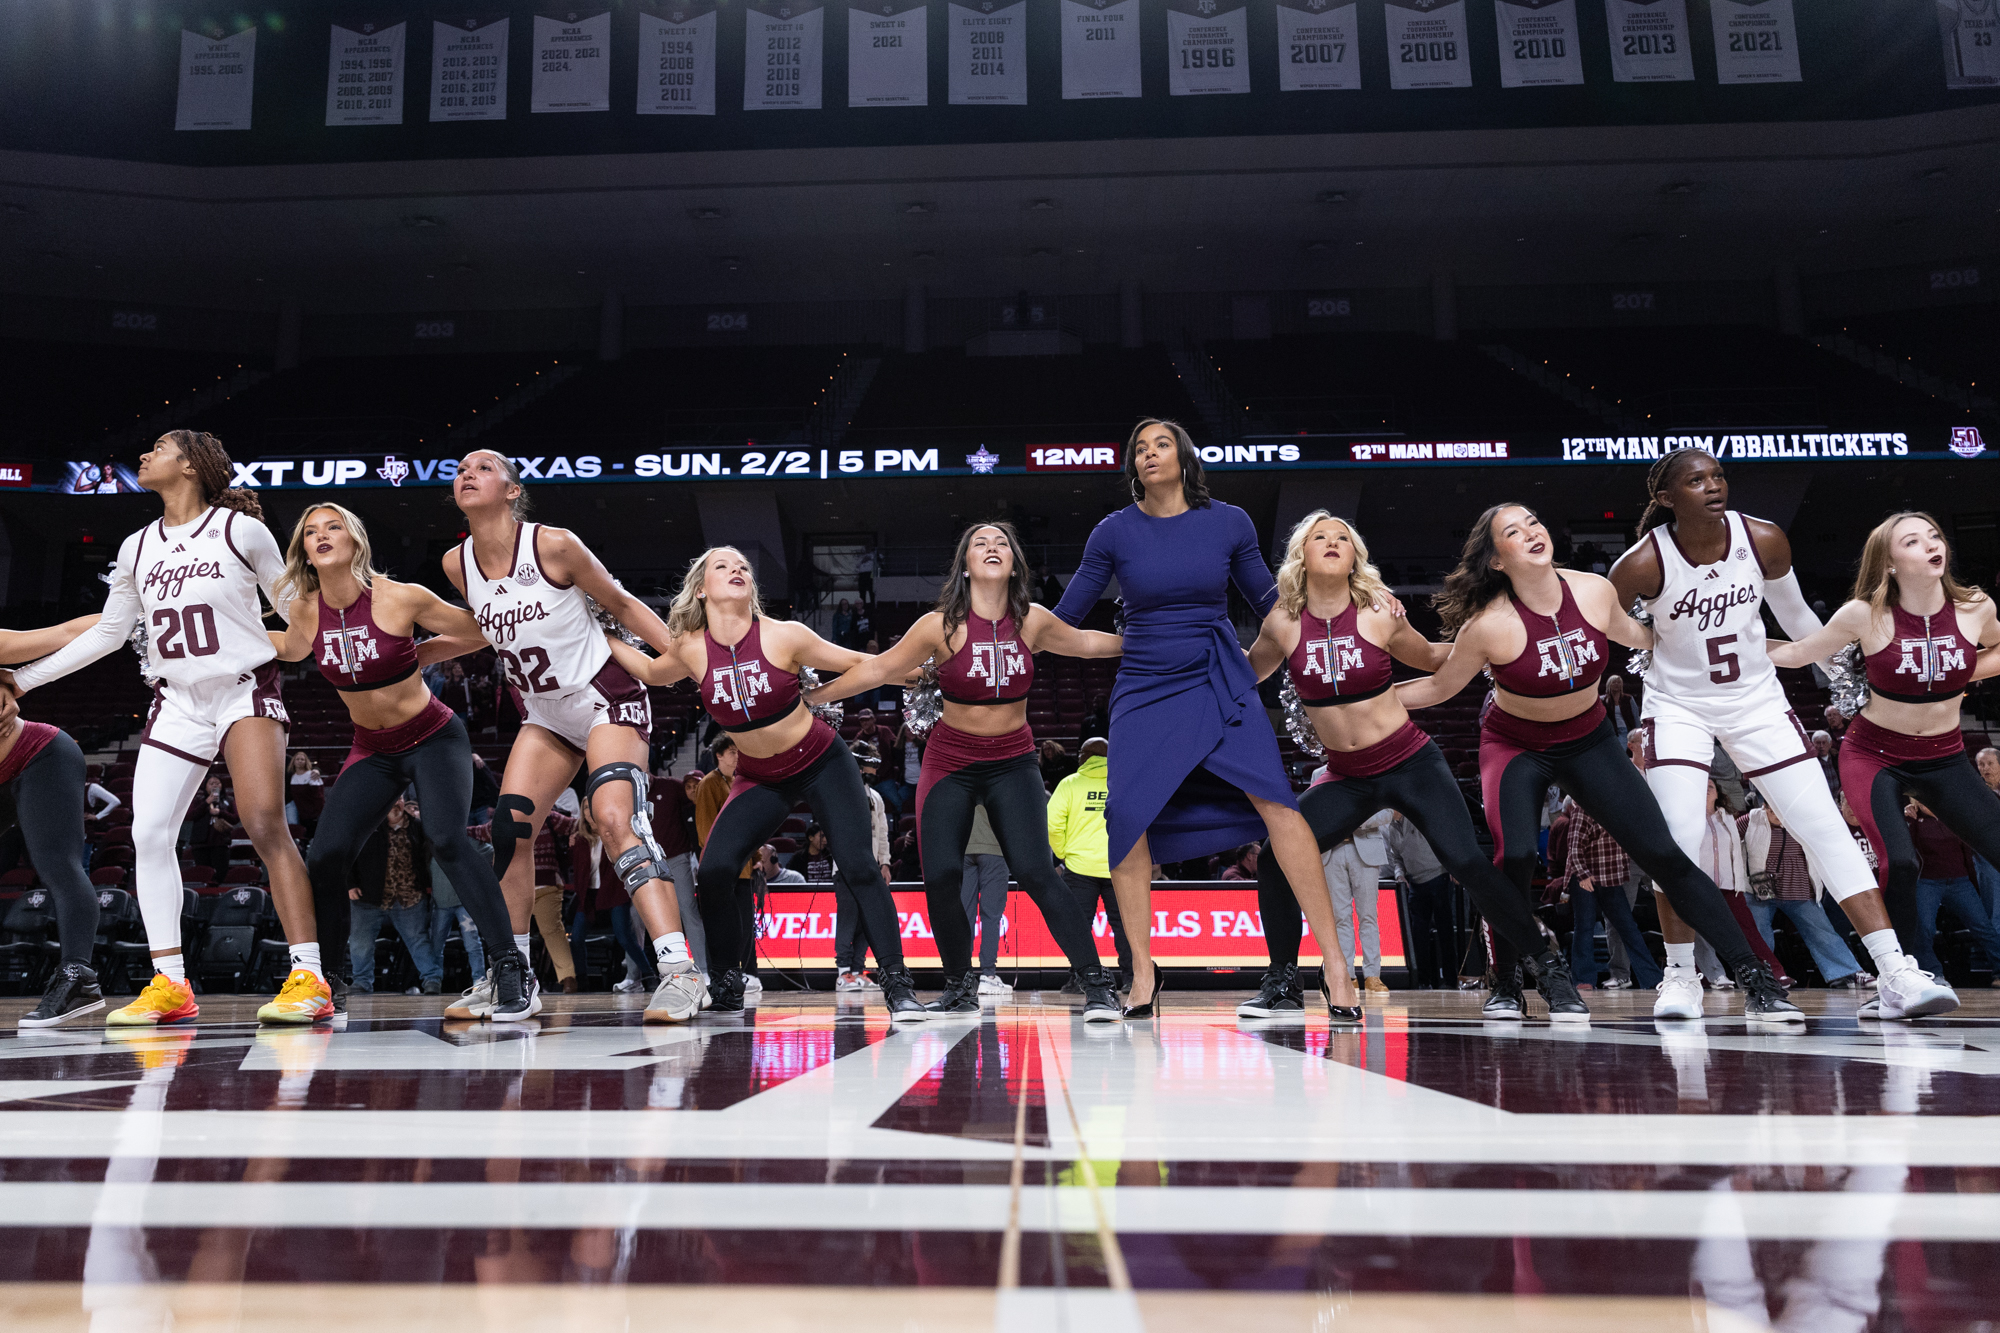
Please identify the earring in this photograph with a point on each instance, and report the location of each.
(968, 573)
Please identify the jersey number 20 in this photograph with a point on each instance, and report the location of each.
(197, 621)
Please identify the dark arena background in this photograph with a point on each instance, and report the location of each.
(830, 284)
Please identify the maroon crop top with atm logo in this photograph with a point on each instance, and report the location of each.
(1925, 661)
(1565, 653)
(355, 653)
(1334, 664)
(992, 666)
(740, 690)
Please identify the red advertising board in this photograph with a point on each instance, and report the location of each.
(1203, 925)
(17, 474)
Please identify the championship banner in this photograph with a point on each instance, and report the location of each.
(217, 75)
(364, 73)
(1538, 46)
(1649, 41)
(677, 57)
(888, 53)
(469, 67)
(1318, 47)
(987, 44)
(783, 44)
(1427, 47)
(572, 70)
(1208, 47)
(1100, 48)
(1756, 41)
(1971, 32)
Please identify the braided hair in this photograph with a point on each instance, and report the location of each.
(1657, 481)
(213, 470)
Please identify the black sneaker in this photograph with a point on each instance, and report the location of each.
(899, 992)
(1100, 1001)
(725, 992)
(1764, 1000)
(1281, 995)
(72, 992)
(961, 995)
(517, 996)
(1072, 986)
(1504, 1003)
(1558, 989)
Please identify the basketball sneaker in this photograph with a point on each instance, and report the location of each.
(1679, 994)
(680, 995)
(72, 992)
(476, 1002)
(304, 998)
(162, 1001)
(1281, 996)
(1908, 991)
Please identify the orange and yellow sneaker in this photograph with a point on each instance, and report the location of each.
(163, 1001)
(304, 999)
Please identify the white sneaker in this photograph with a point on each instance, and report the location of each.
(1615, 983)
(850, 981)
(476, 1002)
(1722, 983)
(679, 997)
(870, 982)
(1909, 992)
(628, 986)
(751, 986)
(989, 984)
(1679, 994)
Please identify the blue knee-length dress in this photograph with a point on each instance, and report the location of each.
(1189, 735)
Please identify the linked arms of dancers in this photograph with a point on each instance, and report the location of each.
(1041, 632)
(1488, 632)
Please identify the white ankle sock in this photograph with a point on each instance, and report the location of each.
(172, 966)
(1884, 949)
(1681, 955)
(306, 956)
(671, 949)
(521, 943)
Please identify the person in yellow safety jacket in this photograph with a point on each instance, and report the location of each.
(1081, 843)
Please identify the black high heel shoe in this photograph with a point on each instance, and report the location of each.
(1338, 1013)
(1148, 1009)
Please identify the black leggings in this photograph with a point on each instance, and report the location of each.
(1422, 788)
(1953, 790)
(1017, 806)
(831, 786)
(1597, 772)
(48, 805)
(441, 767)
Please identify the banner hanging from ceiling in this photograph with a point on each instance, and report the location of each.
(469, 67)
(888, 53)
(677, 57)
(784, 43)
(218, 74)
(1208, 47)
(1649, 41)
(1971, 31)
(1427, 46)
(1100, 48)
(1538, 45)
(1319, 49)
(572, 70)
(1756, 41)
(364, 73)
(986, 43)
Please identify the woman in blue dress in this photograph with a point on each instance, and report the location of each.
(1194, 765)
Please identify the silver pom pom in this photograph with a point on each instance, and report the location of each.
(1637, 662)
(138, 639)
(611, 624)
(832, 714)
(1848, 680)
(923, 702)
(1298, 722)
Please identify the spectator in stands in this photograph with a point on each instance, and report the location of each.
(457, 692)
(1722, 860)
(552, 855)
(775, 871)
(902, 767)
(709, 799)
(1598, 871)
(1780, 880)
(843, 622)
(1829, 758)
(673, 830)
(1836, 723)
(864, 626)
(813, 860)
(1056, 763)
(1242, 864)
(392, 879)
(1353, 871)
(1433, 920)
(485, 791)
(1049, 591)
(214, 818)
(1944, 881)
(1986, 877)
(867, 731)
(305, 791)
(904, 862)
(1622, 708)
(864, 580)
(98, 802)
(1079, 840)
(1097, 722)
(448, 914)
(982, 886)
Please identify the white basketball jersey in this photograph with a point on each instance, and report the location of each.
(547, 640)
(197, 588)
(1708, 623)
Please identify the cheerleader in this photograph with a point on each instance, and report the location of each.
(192, 581)
(1705, 573)
(1542, 634)
(1336, 631)
(578, 708)
(747, 669)
(984, 633)
(1924, 637)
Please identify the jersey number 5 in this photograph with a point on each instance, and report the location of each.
(199, 623)
(1727, 667)
(529, 671)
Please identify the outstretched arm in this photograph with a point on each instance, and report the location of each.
(1411, 648)
(570, 560)
(113, 627)
(662, 670)
(1847, 625)
(924, 638)
(1044, 633)
(25, 645)
(1468, 656)
(1600, 600)
(1275, 641)
(456, 630)
(295, 642)
(1091, 576)
(807, 649)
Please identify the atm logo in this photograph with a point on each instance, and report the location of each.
(1073, 458)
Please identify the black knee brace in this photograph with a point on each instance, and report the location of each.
(508, 830)
(635, 865)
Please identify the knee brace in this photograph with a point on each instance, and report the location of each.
(646, 861)
(508, 830)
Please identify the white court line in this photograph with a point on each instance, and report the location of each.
(1651, 1214)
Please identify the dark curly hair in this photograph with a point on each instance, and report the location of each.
(1658, 479)
(213, 470)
